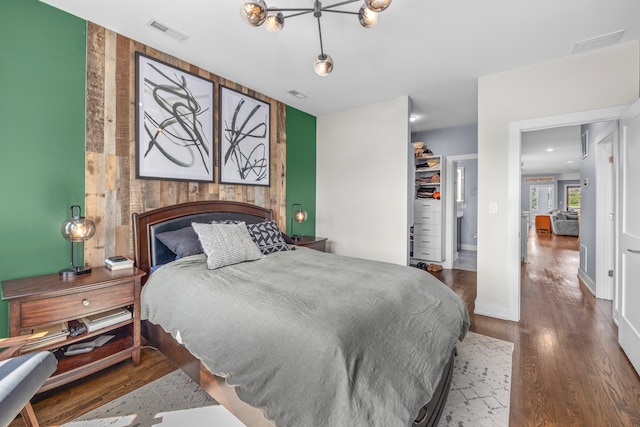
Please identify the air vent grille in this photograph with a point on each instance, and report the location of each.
(597, 42)
(297, 94)
(174, 34)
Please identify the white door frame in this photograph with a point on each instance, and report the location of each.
(451, 210)
(627, 295)
(513, 184)
(606, 144)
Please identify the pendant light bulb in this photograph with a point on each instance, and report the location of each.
(367, 17)
(254, 12)
(377, 5)
(274, 22)
(323, 64)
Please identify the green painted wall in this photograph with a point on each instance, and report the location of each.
(42, 136)
(301, 169)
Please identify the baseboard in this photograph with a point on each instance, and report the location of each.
(587, 282)
(469, 247)
(494, 310)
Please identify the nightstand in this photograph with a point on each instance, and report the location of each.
(38, 301)
(312, 242)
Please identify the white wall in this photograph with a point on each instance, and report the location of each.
(361, 183)
(594, 80)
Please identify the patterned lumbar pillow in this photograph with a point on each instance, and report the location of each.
(226, 244)
(268, 237)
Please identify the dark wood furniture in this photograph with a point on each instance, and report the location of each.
(45, 300)
(147, 252)
(311, 242)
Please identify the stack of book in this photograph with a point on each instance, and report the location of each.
(53, 334)
(105, 319)
(118, 262)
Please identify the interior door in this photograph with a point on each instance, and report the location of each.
(629, 323)
(541, 201)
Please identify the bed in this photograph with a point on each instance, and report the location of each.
(270, 343)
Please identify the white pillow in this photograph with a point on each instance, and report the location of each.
(226, 244)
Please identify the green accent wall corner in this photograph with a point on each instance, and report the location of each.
(42, 136)
(301, 170)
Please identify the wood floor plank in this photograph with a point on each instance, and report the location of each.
(568, 369)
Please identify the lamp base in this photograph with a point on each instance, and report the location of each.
(74, 271)
(295, 238)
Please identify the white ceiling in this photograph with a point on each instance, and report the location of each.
(550, 151)
(432, 50)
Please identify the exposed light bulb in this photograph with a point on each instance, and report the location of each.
(323, 64)
(377, 5)
(274, 22)
(367, 17)
(254, 12)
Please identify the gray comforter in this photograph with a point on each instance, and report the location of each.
(314, 339)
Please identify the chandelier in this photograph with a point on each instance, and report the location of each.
(256, 13)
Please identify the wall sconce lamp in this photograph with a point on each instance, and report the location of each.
(299, 215)
(76, 229)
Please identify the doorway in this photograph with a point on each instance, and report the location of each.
(606, 190)
(540, 201)
(514, 188)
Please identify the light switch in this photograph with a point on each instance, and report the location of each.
(493, 208)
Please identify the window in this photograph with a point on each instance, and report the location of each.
(534, 199)
(573, 197)
(460, 184)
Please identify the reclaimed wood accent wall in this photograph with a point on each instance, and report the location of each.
(113, 193)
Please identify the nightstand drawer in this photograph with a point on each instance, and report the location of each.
(66, 307)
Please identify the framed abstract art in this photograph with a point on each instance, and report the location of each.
(174, 123)
(244, 139)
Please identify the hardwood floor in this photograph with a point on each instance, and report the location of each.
(568, 369)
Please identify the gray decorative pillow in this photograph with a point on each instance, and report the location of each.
(182, 242)
(268, 237)
(226, 244)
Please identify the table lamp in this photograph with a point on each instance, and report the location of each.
(76, 229)
(299, 215)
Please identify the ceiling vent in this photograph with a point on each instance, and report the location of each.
(297, 94)
(167, 30)
(597, 42)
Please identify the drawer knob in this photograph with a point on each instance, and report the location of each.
(85, 302)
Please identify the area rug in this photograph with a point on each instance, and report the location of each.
(479, 395)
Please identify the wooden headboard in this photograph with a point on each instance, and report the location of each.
(149, 251)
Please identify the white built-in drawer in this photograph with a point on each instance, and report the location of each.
(421, 242)
(427, 205)
(427, 229)
(430, 254)
(427, 217)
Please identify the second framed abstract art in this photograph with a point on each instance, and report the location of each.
(244, 139)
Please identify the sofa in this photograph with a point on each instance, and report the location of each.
(564, 223)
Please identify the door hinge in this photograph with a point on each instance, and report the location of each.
(610, 273)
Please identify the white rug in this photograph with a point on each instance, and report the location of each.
(479, 395)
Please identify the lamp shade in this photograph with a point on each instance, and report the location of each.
(323, 64)
(254, 12)
(76, 229)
